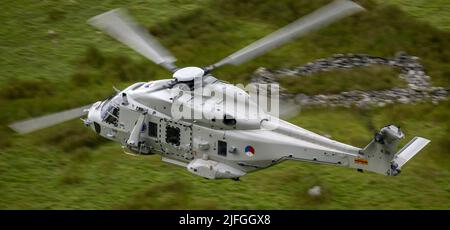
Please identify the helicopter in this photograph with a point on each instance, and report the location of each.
(226, 141)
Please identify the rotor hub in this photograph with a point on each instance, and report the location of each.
(188, 73)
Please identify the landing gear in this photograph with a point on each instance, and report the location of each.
(236, 179)
(394, 169)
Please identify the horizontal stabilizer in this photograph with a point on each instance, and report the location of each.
(410, 150)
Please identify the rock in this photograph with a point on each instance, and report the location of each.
(315, 191)
(302, 99)
(404, 100)
(52, 34)
(263, 72)
(381, 104)
(419, 87)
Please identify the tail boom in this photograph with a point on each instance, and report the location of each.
(380, 157)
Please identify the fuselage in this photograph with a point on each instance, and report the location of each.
(228, 140)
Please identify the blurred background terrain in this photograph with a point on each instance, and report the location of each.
(52, 60)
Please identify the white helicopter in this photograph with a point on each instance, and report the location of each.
(229, 145)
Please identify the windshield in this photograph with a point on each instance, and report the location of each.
(110, 110)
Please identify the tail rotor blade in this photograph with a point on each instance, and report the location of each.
(122, 27)
(319, 18)
(33, 124)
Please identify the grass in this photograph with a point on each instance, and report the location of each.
(435, 12)
(41, 176)
(69, 167)
(26, 41)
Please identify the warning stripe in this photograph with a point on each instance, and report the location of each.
(361, 161)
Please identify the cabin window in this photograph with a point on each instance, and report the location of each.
(229, 120)
(173, 135)
(222, 148)
(97, 127)
(152, 129)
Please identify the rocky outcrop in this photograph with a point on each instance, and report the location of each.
(412, 71)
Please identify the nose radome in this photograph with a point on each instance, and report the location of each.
(92, 110)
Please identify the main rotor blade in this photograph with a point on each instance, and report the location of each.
(122, 27)
(319, 18)
(33, 124)
(288, 109)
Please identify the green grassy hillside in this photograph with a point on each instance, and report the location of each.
(435, 12)
(52, 60)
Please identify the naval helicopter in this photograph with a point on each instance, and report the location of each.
(231, 143)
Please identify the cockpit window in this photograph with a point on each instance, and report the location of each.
(110, 110)
(112, 115)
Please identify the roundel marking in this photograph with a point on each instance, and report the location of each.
(249, 150)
